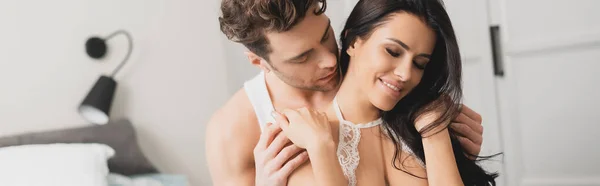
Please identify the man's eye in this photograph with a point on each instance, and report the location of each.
(300, 59)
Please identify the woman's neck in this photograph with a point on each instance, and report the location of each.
(355, 104)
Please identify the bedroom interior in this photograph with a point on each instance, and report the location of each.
(117, 93)
(163, 94)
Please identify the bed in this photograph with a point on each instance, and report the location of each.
(98, 155)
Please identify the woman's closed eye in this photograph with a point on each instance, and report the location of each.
(392, 52)
(418, 65)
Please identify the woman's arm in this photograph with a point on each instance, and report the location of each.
(325, 164)
(441, 164)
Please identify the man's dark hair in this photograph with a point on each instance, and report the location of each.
(247, 21)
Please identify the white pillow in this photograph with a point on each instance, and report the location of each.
(121, 180)
(55, 165)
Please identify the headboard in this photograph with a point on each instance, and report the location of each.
(119, 134)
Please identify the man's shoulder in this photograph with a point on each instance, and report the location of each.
(239, 104)
(231, 135)
(234, 118)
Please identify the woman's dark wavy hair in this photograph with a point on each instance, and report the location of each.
(440, 86)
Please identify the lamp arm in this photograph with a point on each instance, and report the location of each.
(129, 50)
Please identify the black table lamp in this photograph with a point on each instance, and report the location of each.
(95, 108)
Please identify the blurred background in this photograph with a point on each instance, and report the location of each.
(530, 69)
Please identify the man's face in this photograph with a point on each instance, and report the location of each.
(305, 57)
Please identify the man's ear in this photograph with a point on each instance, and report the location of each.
(258, 61)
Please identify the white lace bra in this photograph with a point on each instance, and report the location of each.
(347, 150)
(349, 137)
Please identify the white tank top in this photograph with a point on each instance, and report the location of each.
(256, 89)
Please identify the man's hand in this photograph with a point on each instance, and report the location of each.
(274, 160)
(468, 126)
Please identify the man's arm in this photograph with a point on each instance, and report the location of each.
(231, 136)
(239, 154)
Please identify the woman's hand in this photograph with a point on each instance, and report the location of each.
(431, 113)
(427, 118)
(311, 130)
(306, 128)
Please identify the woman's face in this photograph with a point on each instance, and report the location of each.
(390, 63)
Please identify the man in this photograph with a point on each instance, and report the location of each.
(293, 44)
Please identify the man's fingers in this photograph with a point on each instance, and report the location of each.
(276, 146)
(471, 113)
(470, 147)
(466, 131)
(283, 156)
(267, 136)
(291, 165)
(474, 125)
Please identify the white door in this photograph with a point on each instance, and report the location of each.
(472, 26)
(471, 23)
(549, 96)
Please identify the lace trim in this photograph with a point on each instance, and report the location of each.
(349, 137)
(347, 151)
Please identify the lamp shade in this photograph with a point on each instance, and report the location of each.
(95, 108)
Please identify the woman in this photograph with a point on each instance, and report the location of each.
(402, 72)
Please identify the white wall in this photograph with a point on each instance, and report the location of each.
(174, 81)
(238, 66)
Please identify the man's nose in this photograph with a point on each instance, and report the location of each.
(328, 60)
